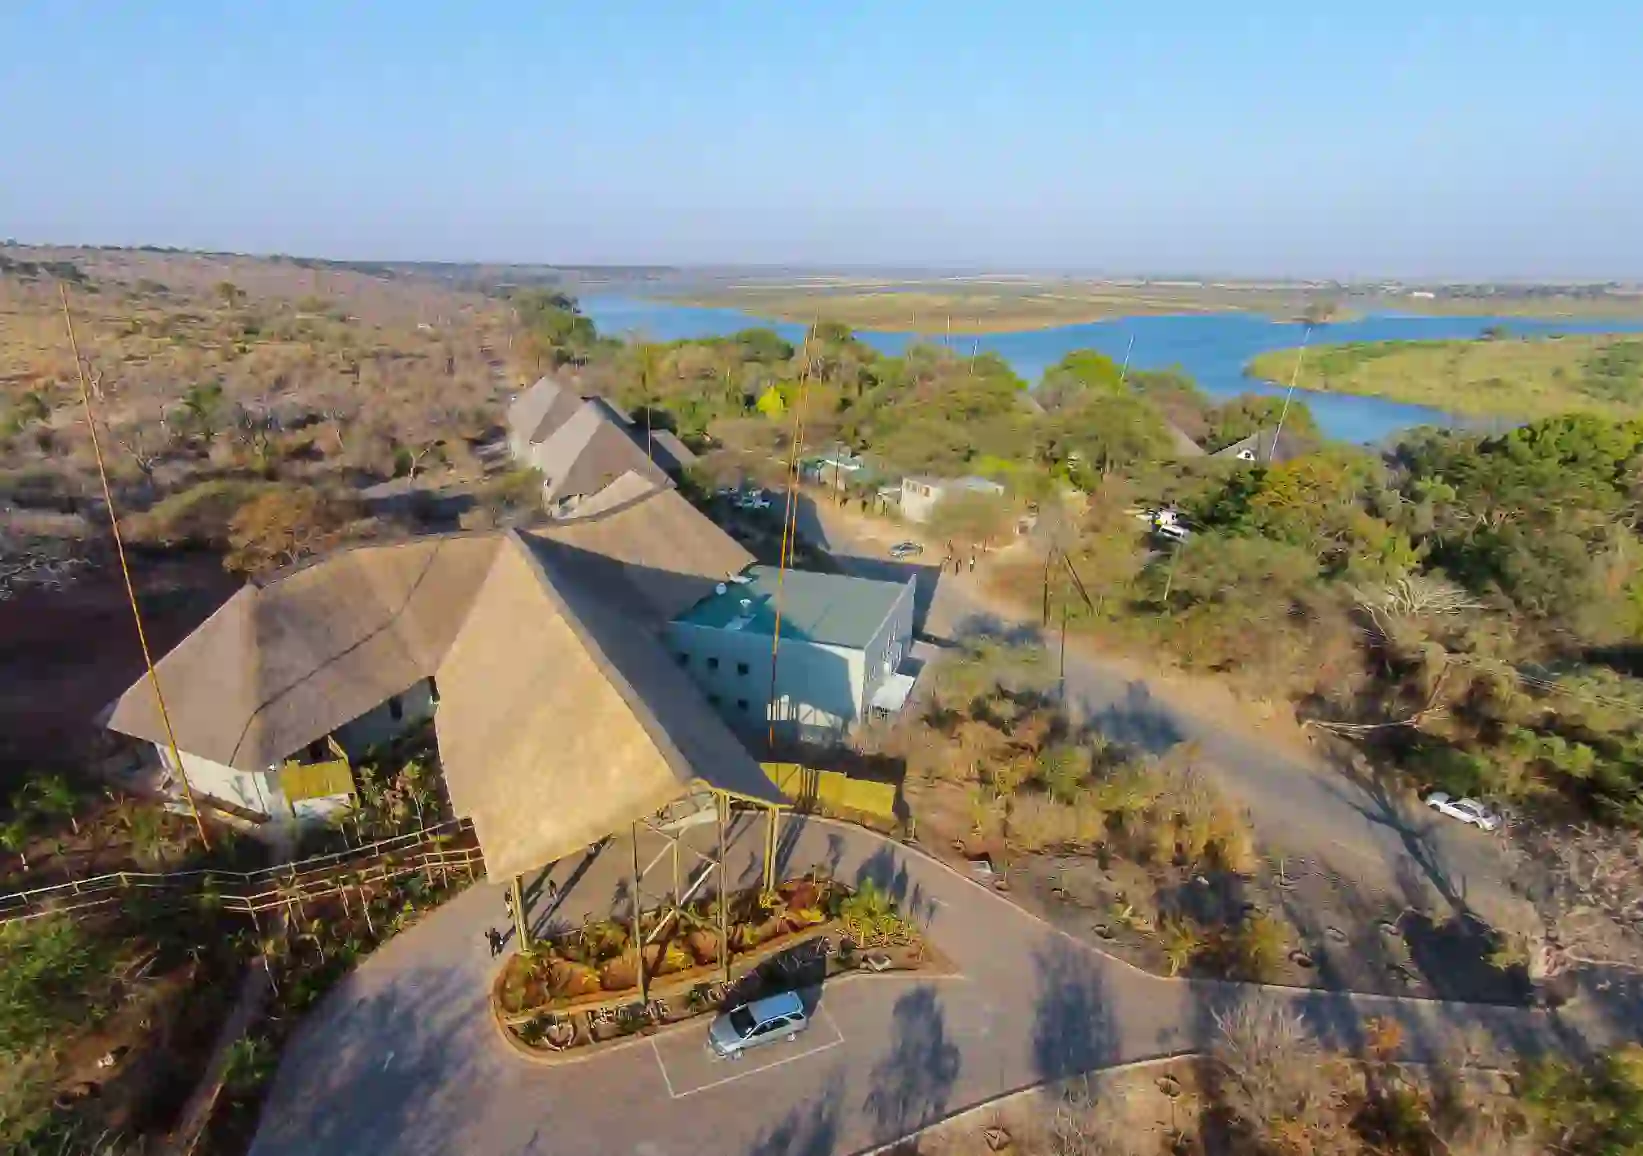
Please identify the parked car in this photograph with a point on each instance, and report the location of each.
(775, 1017)
(1165, 523)
(1466, 810)
(753, 500)
(906, 550)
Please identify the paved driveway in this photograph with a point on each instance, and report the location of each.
(402, 1059)
(1302, 805)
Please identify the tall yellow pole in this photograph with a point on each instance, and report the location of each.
(521, 924)
(722, 805)
(125, 570)
(790, 522)
(638, 937)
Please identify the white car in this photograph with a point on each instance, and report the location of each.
(1466, 810)
(754, 501)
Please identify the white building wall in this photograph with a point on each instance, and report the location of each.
(889, 646)
(253, 790)
(918, 499)
(819, 688)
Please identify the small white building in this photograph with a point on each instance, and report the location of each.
(921, 495)
(843, 642)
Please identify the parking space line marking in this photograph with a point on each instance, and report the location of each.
(833, 1043)
(657, 1052)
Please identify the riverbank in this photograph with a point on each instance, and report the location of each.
(1517, 378)
(938, 312)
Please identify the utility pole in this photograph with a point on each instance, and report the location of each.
(1300, 355)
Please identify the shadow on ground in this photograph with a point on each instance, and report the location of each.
(913, 1081)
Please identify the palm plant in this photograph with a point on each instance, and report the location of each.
(1181, 940)
(15, 836)
(146, 828)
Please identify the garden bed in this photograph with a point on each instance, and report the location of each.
(571, 993)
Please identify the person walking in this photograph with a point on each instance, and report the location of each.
(972, 559)
(494, 939)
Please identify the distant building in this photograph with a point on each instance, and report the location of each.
(920, 495)
(843, 642)
(583, 445)
(1263, 447)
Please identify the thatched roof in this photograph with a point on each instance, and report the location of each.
(561, 718)
(1264, 446)
(540, 410)
(654, 542)
(1183, 445)
(561, 714)
(283, 664)
(588, 453)
(672, 453)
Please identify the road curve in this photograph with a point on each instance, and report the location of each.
(402, 1060)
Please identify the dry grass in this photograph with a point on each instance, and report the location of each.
(1517, 378)
(205, 366)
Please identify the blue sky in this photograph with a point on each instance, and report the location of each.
(1443, 138)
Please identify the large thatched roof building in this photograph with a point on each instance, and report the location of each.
(560, 713)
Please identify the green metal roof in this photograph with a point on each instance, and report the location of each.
(827, 608)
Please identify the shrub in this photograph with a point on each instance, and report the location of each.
(1182, 940)
(198, 516)
(52, 975)
(1595, 1108)
(1233, 842)
(1258, 947)
(283, 526)
(1061, 770)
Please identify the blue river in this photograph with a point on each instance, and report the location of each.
(1212, 348)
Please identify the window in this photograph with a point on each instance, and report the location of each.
(316, 750)
(713, 664)
(741, 668)
(396, 709)
(682, 658)
(741, 705)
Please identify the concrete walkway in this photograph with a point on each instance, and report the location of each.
(402, 1059)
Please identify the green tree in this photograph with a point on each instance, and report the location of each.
(1097, 433)
(1248, 413)
(971, 517)
(202, 409)
(1596, 1108)
(1079, 374)
(556, 332)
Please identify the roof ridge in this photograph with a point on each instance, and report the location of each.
(266, 699)
(625, 690)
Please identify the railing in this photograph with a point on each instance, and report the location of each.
(247, 891)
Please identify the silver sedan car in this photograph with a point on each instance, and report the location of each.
(776, 1017)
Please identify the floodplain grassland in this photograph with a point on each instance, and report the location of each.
(976, 305)
(1005, 303)
(1518, 378)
